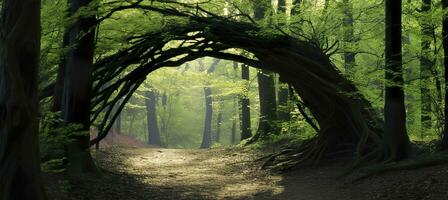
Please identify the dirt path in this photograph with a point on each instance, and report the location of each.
(231, 174)
(193, 174)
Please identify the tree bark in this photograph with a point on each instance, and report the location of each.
(218, 126)
(151, 117)
(283, 90)
(246, 131)
(207, 134)
(20, 176)
(349, 51)
(283, 110)
(77, 90)
(268, 104)
(219, 120)
(266, 88)
(444, 142)
(426, 67)
(234, 121)
(396, 140)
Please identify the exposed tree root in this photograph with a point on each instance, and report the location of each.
(417, 163)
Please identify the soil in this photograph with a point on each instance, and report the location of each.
(233, 174)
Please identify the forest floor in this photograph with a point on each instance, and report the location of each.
(222, 173)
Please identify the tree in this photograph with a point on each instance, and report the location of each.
(349, 54)
(266, 87)
(444, 143)
(396, 140)
(342, 112)
(426, 67)
(283, 88)
(283, 111)
(268, 105)
(77, 89)
(20, 176)
(207, 134)
(219, 120)
(246, 131)
(151, 117)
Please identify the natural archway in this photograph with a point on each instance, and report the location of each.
(347, 122)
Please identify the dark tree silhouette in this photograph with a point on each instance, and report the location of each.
(151, 117)
(76, 96)
(444, 143)
(396, 140)
(426, 67)
(246, 131)
(20, 176)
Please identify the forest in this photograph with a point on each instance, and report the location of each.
(224, 99)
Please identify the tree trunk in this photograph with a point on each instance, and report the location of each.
(396, 140)
(349, 51)
(207, 135)
(283, 90)
(266, 88)
(20, 176)
(218, 126)
(268, 107)
(426, 67)
(77, 91)
(246, 131)
(59, 85)
(151, 117)
(234, 118)
(283, 110)
(444, 143)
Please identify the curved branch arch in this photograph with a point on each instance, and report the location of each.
(345, 117)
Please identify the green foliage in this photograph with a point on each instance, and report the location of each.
(181, 116)
(53, 137)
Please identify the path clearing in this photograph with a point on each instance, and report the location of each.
(193, 174)
(231, 174)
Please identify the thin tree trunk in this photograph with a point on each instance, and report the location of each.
(426, 67)
(153, 126)
(266, 88)
(268, 107)
(59, 86)
(283, 103)
(77, 91)
(283, 91)
(396, 140)
(207, 135)
(444, 143)
(349, 51)
(218, 126)
(234, 118)
(20, 176)
(246, 131)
